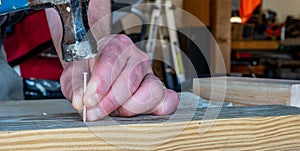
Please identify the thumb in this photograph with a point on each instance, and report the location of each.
(72, 82)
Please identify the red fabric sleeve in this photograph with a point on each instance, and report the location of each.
(28, 34)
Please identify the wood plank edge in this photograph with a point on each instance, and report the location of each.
(295, 95)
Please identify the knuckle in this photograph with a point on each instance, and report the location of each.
(135, 78)
(110, 106)
(115, 52)
(123, 38)
(133, 83)
(142, 67)
(153, 82)
(144, 56)
(112, 49)
(152, 77)
(156, 91)
(101, 85)
(138, 69)
(145, 60)
(156, 87)
(110, 61)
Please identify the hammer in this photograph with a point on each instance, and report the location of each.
(77, 43)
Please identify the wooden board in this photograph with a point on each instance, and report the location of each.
(221, 30)
(237, 128)
(255, 45)
(290, 42)
(244, 69)
(200, 9)
(250, 91)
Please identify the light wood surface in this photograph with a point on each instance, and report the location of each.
(265, 133)
(250, 91)
(237, 128)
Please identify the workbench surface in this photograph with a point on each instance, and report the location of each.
(53, 114)
(53, 124)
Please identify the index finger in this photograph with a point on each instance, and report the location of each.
(109, 65)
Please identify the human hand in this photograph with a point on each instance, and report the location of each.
(121, 83)
(121, 79)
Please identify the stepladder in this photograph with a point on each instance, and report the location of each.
(163, 30)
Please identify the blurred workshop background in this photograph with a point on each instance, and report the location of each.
(257, 38)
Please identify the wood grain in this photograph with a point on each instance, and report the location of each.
(237, 128)
(250, 91)
(266, 133)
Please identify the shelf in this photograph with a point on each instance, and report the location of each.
(291, 42)
(254, 45)
(244, 69)
(286, 63)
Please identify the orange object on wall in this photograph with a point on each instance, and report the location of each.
(247, 8)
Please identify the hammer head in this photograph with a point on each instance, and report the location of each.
(78, 43)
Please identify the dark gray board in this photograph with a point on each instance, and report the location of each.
(28, 115)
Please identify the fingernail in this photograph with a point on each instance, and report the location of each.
(77, 101)
(92, 100)
(94, 114)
